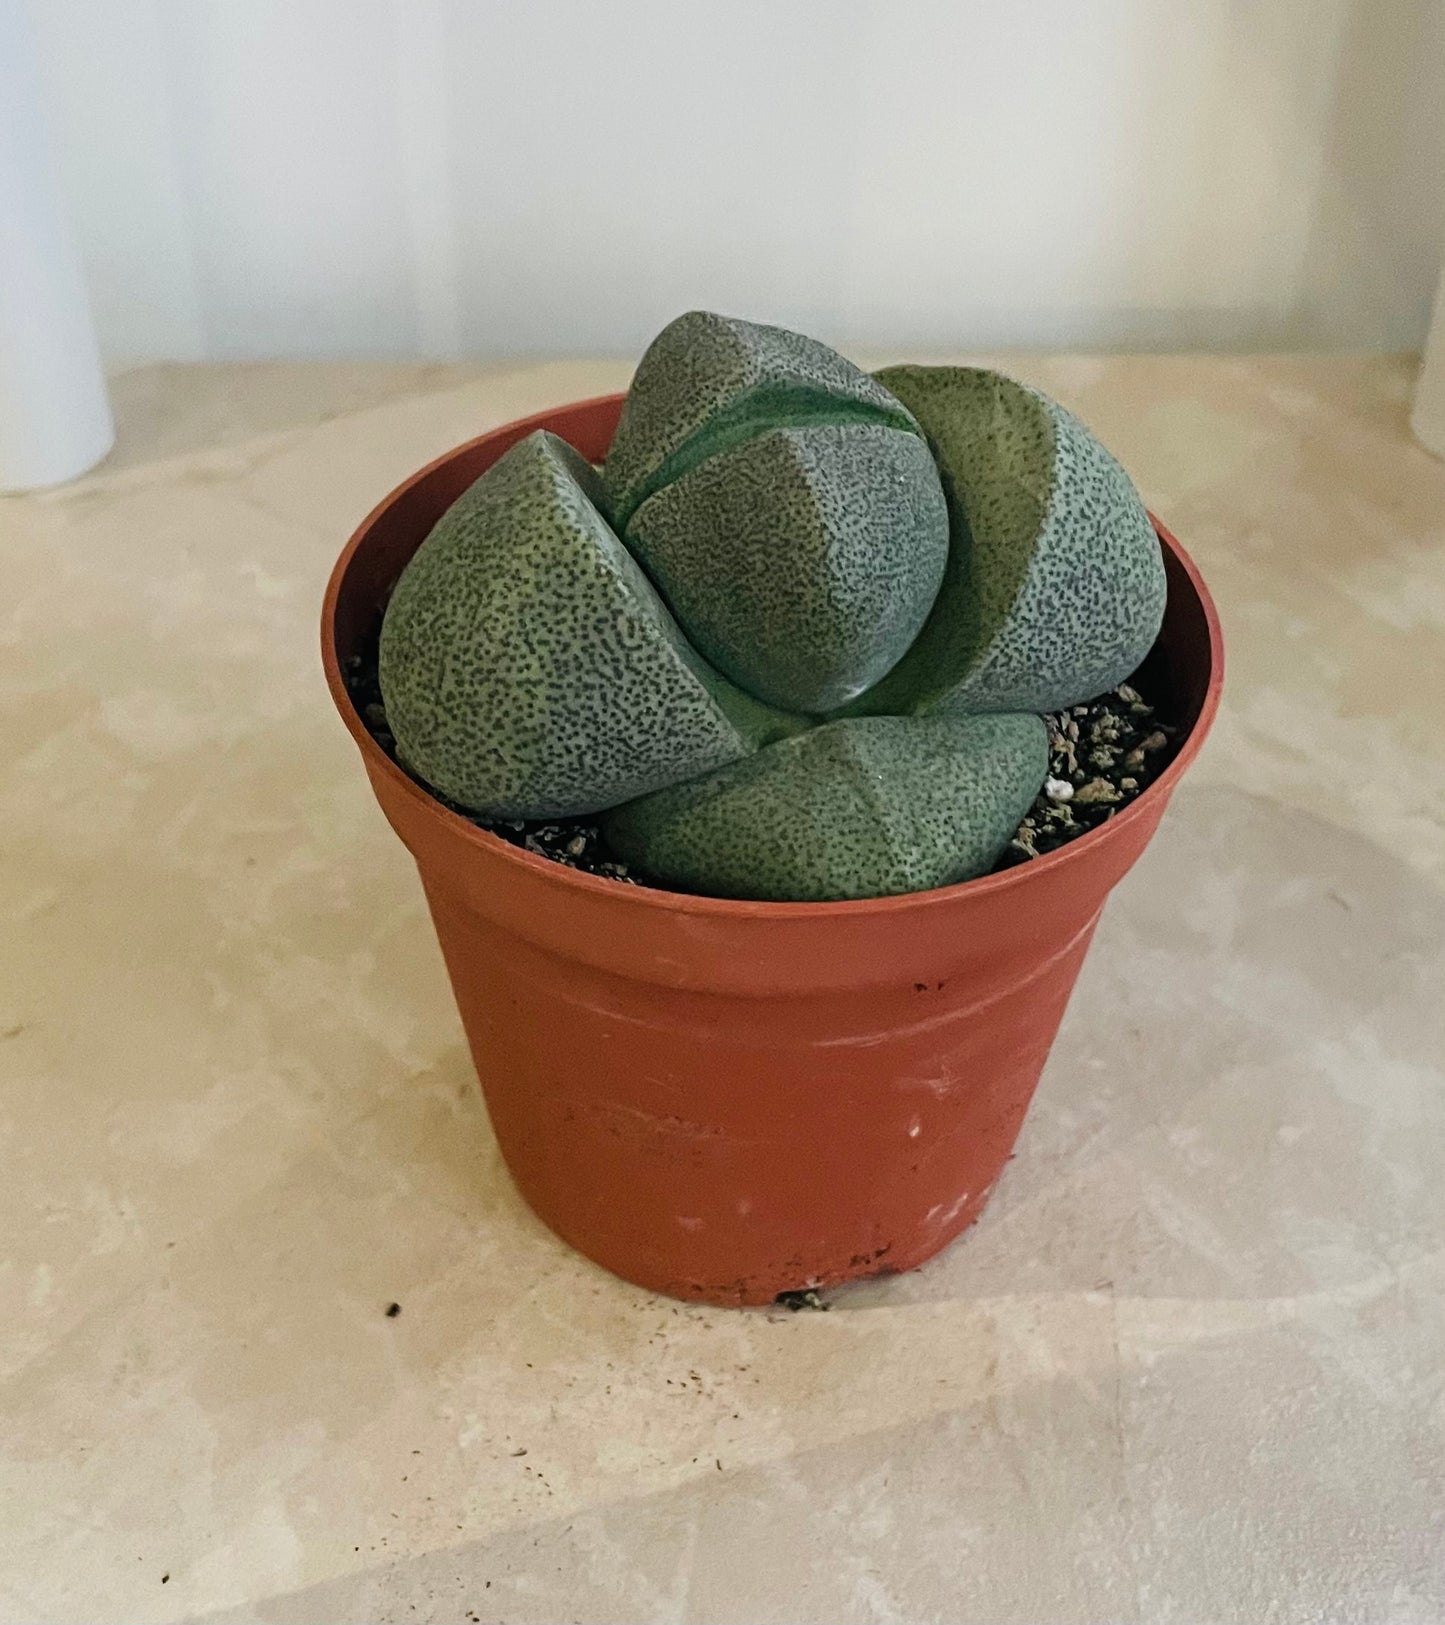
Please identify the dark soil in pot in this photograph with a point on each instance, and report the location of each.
(1102, 755)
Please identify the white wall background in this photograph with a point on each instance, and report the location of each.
(517, 177)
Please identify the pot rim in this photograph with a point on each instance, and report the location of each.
(643, 896)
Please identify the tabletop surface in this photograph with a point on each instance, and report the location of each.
(1186, 1367)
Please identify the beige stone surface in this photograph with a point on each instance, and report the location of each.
(1187, 1367)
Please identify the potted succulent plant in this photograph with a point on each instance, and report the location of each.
(805, 652)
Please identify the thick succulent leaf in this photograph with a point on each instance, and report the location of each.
(864, 807)
(1054, 590)
(530, 669)
(708, 383)
(803, 563)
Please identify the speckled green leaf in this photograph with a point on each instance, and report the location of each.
(530, 669)
(804, 562)
(1054, 590)
(708, 383)
(860, 808)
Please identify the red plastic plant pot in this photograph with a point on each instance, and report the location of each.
(728, 1100)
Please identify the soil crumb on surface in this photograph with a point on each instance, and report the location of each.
(802, 1298)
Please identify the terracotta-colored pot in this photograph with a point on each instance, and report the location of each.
(729, 1100)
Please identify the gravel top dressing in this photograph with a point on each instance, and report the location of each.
(1101, 755)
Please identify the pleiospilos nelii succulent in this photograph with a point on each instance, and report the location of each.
(792, 643)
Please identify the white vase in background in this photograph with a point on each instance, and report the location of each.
(55, 418)
(1428, 418)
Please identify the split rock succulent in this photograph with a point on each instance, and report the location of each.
(793, 641)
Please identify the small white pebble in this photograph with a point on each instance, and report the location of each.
(1058, 790)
